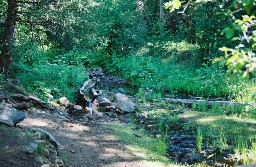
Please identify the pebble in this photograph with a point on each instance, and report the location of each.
(30, 148)
(47, 153)
(45, 165)
(59, 163)
(40, 159)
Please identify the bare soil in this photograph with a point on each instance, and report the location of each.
(83, 143)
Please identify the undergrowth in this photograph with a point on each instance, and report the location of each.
(213, 129)
(174, 67)
(53, 77)
(148, 147)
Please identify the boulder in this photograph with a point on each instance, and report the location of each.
(63, 101)
(123, 103)
(10, 115)
(103, 101)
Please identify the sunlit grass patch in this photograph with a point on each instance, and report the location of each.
(222, 131)
(142, 144)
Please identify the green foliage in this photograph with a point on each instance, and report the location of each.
(241, 59)
(202, 107)
(52, 81)
(199, 139)
(160, 146)
(57, 77)
(41, 149)
(172, 5)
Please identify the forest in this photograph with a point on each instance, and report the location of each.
(188, 65)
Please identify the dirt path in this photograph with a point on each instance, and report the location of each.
(85, 143)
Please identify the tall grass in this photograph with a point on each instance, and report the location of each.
(174, 69)
(52, 76)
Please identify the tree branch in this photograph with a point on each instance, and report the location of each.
(185, 8)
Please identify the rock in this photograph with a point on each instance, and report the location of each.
(46, 153)
(45, 165)
(40, 141)
(124, 103)
(110, 108)
(31, 148)
(96, 72)
(75, 109)
(98, 114)
(63, 101)
(37, 136)
(100, 109)
(2, 96)
(6, 122)
(59, 162)
(54, 104)
(40, 159)
(23, 105)
(10, 115)
(103, 101)
(48, 136)
(125, 106)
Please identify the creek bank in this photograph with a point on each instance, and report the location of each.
(181, 139)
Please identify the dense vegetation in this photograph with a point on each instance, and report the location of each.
(147, 45)
(201, 48)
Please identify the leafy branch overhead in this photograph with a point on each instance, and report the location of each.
(172, 5)
(241, 59)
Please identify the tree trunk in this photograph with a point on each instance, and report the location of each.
(161, 18)
(6, 52)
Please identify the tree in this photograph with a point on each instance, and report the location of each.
(8, 38)
(51, 21)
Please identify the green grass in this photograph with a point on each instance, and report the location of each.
(220, 128)
(41, 149)
(147, 147)
(199, 139)
(171, 66)
(51, 81)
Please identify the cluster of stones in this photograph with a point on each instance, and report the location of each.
(182, 144)
(44, 146)
(93, 101)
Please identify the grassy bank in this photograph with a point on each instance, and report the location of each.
(175, 67)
